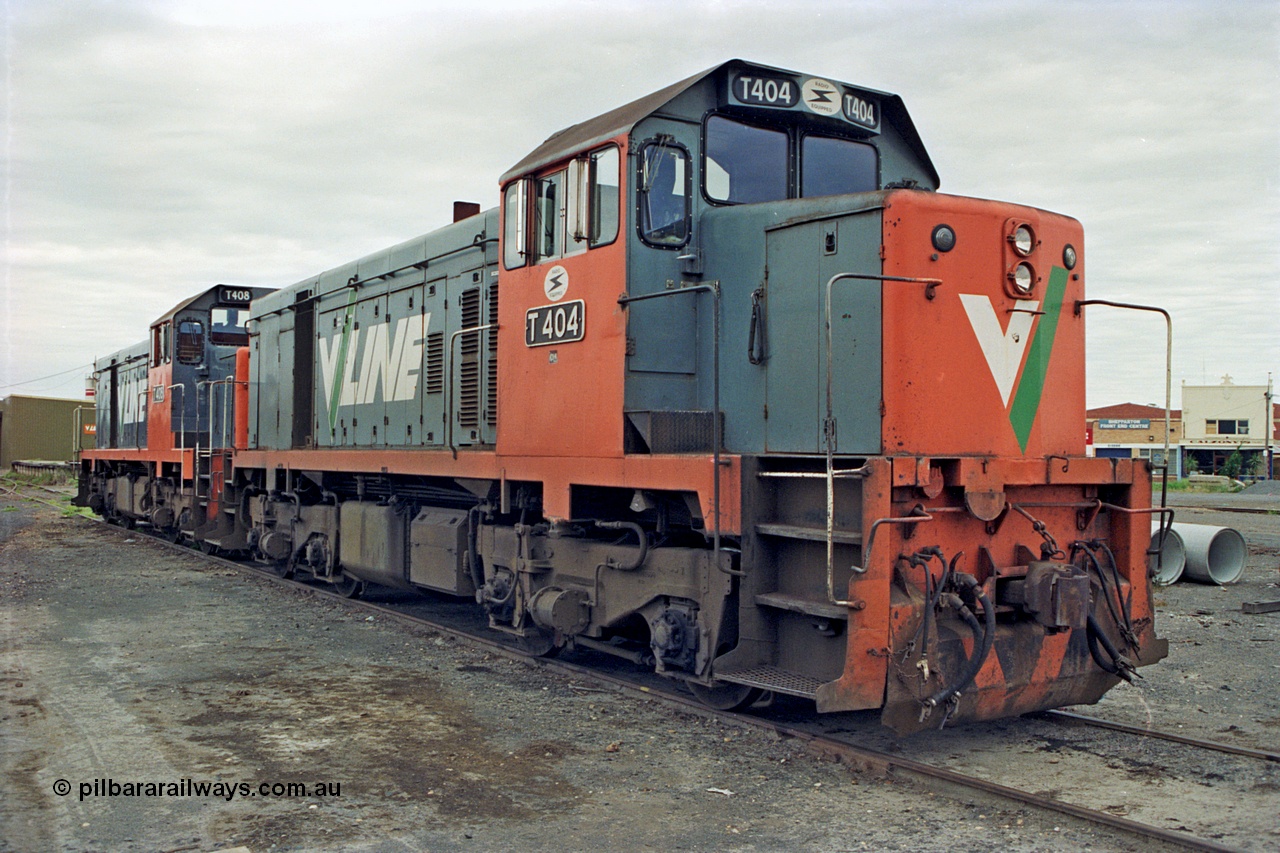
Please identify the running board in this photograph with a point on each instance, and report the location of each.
(807, 606)
(775, 679)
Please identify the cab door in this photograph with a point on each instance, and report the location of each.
(801, 259)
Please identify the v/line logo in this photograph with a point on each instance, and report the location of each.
(1023, 336)
(390, 358)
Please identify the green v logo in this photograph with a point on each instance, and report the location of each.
(1004, 350)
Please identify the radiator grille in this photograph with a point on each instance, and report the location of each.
(469, 364)
(435, 363)
(491, 396)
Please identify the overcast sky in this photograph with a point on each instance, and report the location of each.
(156, 147)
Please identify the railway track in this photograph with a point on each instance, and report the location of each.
(1247, 510)
(1069, 717)
(820, 737)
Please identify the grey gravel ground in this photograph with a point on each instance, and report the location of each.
(122, 661)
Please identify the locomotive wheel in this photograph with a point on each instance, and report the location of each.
(726, 697)
(348, 587)
(282, 569)
(539, 644)
(173, 534)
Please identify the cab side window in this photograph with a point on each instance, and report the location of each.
(160, 344)
(663, 194)
(604, 196)
(514, 206)
(550, 213)
(564, 212)
(190, 342)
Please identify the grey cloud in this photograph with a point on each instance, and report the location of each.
(156, 148)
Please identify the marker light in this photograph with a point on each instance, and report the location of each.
(1023, 240)
(1022, 278)
(1069, 257)
(944, 238)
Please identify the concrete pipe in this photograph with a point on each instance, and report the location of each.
(1173, 556)
(1214, 554)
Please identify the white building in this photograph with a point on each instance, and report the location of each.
(1218, 420)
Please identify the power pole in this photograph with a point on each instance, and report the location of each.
(1271, 429)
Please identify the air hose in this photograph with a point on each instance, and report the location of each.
(987, 631)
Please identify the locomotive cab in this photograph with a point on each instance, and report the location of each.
(164, 407)
(870, 364)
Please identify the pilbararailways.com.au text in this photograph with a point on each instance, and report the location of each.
(192, 788)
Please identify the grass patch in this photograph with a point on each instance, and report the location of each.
(1198, 488)
(42, 477)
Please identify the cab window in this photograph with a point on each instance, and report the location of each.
(604, 196)
(663, 194)
(514, 201)
(190, 342)
(160, 344)
(745, 163)
(832, 166)
(228, 327)
(549, 216)
(564, 212)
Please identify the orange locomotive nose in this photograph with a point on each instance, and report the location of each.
(1011, 568)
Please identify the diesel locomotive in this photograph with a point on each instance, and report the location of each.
(723, 385)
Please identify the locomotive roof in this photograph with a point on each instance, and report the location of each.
(571, 140)
(206, 295)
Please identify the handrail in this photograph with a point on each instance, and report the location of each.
(450, 415)
(918, 514)
(139, 419)
(1169, 392)
(714, 289)
(77, 443)
(1168, 374)
(829, 424)
(182, 436)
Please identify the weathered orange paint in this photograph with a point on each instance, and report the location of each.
(241, 433)
(558, 474)
(565, 399)
(942, 399)
(1112, 500)
(862, 684)
(159, 415)
(155, 458)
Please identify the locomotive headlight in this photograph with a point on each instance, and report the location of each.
(1022, 278)
(944, 238)
(1023, 240)
(1069, 257)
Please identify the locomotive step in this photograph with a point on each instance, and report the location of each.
(774, 678)
(813, 534)
(808, 606)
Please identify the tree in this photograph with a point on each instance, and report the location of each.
(1231, 468)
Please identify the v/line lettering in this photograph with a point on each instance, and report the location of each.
(352, 371)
